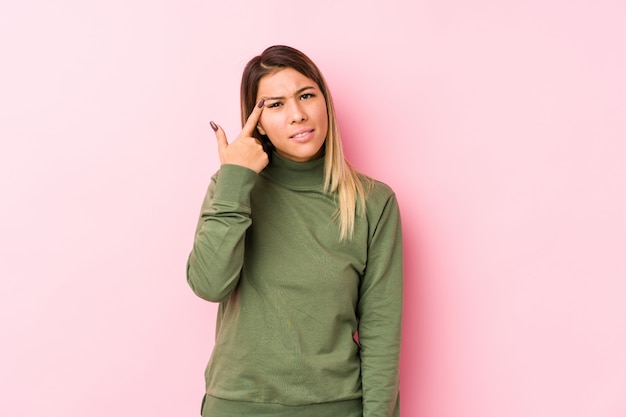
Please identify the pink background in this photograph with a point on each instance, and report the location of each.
(499, 124)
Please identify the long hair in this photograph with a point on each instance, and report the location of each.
(340, 178)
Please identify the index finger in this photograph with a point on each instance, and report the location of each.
(253, 119)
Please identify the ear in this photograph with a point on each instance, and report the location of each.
(260, 129)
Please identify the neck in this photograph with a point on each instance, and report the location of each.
(296, 174)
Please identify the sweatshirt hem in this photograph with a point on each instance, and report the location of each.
(218, 407)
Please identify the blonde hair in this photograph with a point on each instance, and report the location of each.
(340, 178)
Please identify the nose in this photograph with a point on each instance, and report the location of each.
(297, 112)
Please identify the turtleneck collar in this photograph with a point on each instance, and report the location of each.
(295, 174)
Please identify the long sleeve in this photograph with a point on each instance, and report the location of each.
(215, 262)
(380, 315)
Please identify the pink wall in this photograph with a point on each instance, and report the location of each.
(500, 126)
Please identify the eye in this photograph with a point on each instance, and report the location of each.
(274, 105)
(307, 96)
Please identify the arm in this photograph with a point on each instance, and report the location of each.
(380, 316)
(216, 259)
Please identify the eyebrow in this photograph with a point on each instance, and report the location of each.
(295, 94)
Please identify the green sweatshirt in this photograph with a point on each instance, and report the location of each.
(292, 296)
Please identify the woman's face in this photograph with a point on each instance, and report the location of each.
(295, 117)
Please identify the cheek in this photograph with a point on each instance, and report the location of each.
(269, 124)
(323, 117)
(323, 112)
(264, 122)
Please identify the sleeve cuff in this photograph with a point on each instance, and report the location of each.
(234, 183)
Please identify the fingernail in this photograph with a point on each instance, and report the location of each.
(261, 103)
(213, 126)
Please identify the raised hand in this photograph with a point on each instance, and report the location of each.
(245, 150)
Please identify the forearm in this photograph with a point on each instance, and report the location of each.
(216, 259)
(380, 360)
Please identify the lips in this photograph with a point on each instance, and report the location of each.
(301, 134)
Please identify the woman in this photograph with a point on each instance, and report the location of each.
(301, 252)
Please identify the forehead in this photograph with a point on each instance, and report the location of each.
(284, 82)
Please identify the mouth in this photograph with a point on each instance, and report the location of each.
(302, 135)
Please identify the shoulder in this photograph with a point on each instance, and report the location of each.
(375, 189)
(379, 196)
(382, 213)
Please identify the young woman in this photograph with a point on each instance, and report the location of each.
(304, 255)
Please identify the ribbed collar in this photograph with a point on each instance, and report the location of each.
(295, 174)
